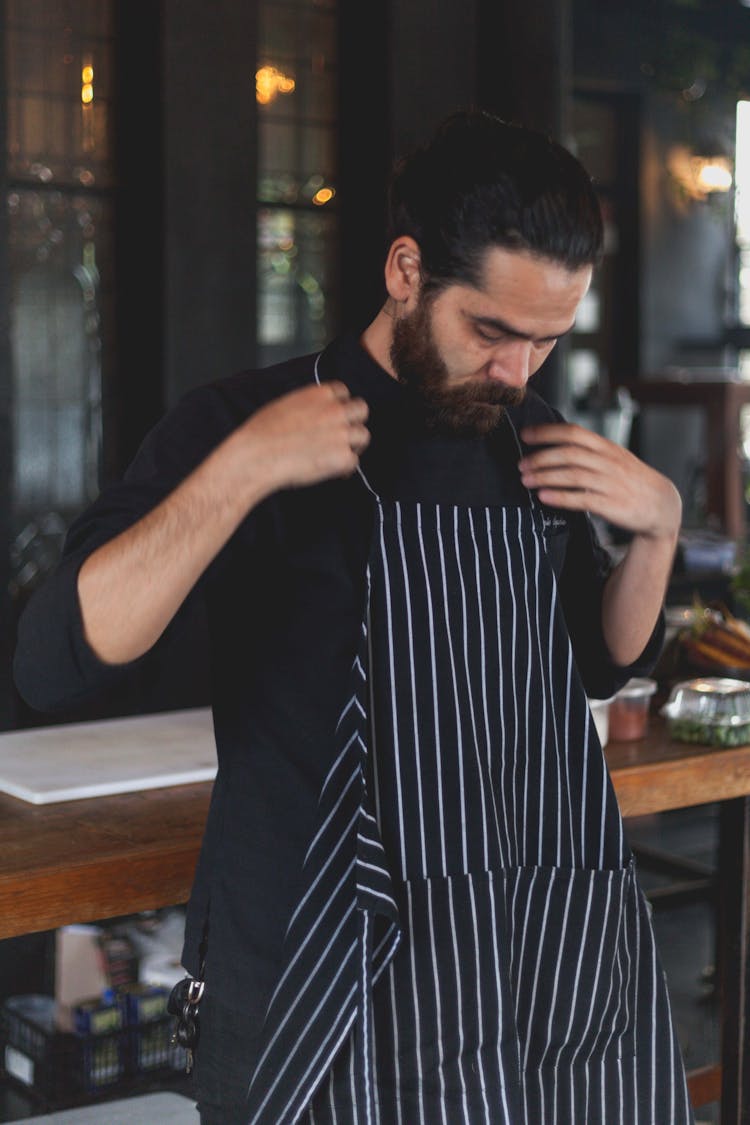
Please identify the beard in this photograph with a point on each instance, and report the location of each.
(472, 409)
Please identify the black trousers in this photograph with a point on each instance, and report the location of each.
(222, 1063)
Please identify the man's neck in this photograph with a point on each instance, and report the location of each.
(377, 337)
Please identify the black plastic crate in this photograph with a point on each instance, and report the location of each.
(59, 1066)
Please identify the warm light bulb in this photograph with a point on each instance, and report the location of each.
(714, 175)
(325, 195)
(269, 81)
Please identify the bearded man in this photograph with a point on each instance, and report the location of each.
(415, 902)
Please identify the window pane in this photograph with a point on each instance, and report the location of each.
(297, 281)
(59, 65)
(57, 242)
(296, 89)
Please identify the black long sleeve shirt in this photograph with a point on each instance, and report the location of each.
(283, 602)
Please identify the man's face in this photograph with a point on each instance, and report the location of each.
(470, 351)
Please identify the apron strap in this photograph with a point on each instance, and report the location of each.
(366, 482)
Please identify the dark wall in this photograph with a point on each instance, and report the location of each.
(209, 193)
(6, 449)
(524, 60)
(433, 66)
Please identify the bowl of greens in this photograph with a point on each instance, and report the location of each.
(713, 710)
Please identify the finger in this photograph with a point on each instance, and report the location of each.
(557, 468)
(561, 456)
(359, 438)
(562, 433)
(357, 410)
(339, 390)
(574, 499)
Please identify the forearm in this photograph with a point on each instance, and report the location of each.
(634, 595)
(130, 588)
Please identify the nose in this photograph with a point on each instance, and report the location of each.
(512, 367)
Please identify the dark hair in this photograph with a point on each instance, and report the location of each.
(483, 182)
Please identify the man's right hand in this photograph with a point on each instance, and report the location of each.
(131, 587)
(308, 435)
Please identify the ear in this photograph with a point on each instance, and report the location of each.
(403, 276)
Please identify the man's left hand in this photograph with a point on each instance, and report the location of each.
(579, 469)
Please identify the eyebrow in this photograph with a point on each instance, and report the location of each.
(498, 325)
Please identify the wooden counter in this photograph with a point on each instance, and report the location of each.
(88, 860)
(656, 774)
(81, 861)
(84, 860)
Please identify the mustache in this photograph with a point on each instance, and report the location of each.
(491, 394)
(472, 409)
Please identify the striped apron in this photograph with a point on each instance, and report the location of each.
(472, 945)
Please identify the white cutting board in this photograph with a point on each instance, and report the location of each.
(63, 763)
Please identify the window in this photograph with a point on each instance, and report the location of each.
(60, 233)
(298, 228)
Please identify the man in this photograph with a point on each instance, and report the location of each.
(414, 901)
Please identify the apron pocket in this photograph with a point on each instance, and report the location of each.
(573, 959)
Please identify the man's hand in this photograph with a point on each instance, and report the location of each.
(308, 435)
(131, 587)
(575, 468)
(581, 470)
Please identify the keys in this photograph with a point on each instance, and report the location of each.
(184, 1002)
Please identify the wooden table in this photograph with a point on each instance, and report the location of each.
(88, 860)
(81, 861)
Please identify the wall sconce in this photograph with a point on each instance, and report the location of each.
(697, 177)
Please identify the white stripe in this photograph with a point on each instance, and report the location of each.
(394, 717)
(311, 931)
(468, 677)
(364, 1018)
(513, 674)
(395, 1027)
(415, 723)
(376, 894)
(480, 1009)
(485, 706)
(357, 774)
(438, 1003)
(501, 749)
(302, 1096)
(539, 662)
(456, 707)
(560, 940)
(292, 1052)
(336, 764)
(540, 951)
(497, 977)
(310, 980)
(526, 818)
(459, 999)
(415, 1006)
(433, 680)
(302, 903)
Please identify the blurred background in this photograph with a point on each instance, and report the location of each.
(190, 190)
